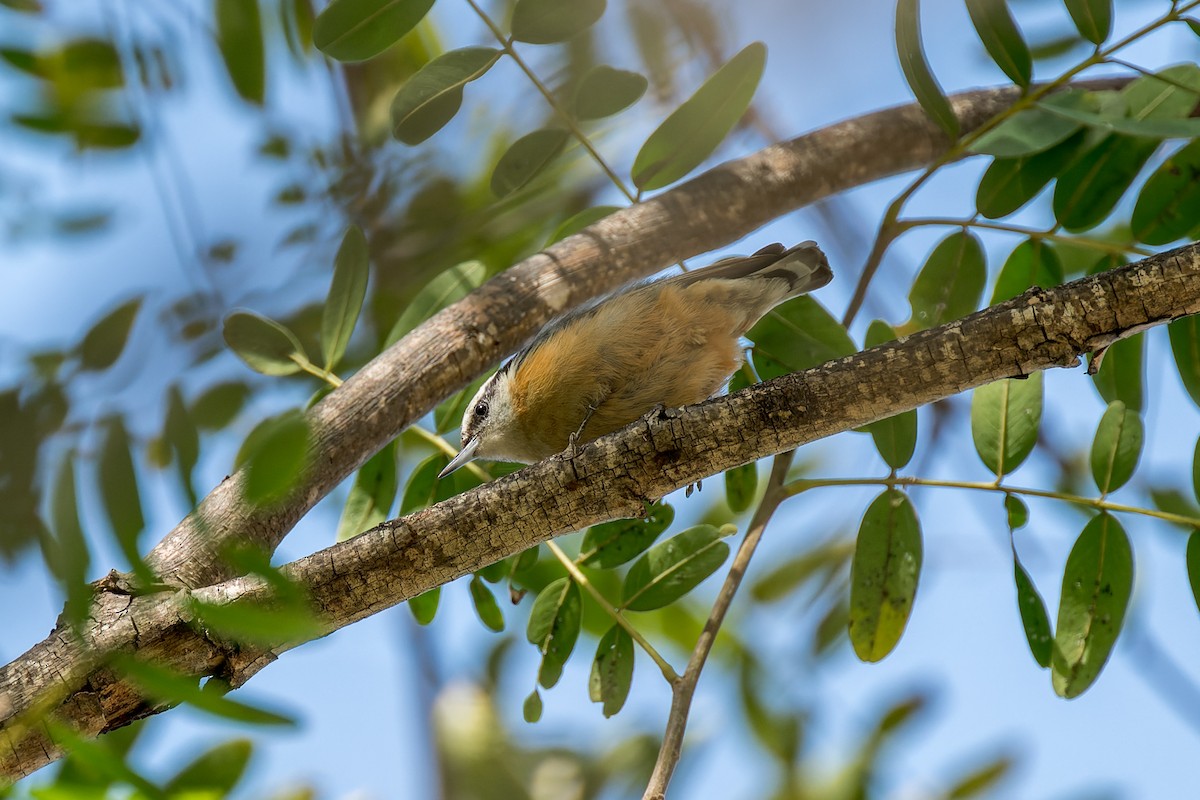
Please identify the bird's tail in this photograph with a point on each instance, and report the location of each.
(803, 266)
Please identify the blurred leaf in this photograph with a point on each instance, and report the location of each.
(525, 159)
(171, 687)
(670, 570)
(371, 495)
(432, 96)
(1016, 512)
(1168, 206)
(67, 553)
(1121, 372)
(424, 606)
(895, 437)
(1116, 448)
(119, 491)
(778, 730)
(1034, 618)
(98, 758)
(611, 544)
(1033, 130)
(421, 489)
(1093, 18)
(531, 710)
(1095, 594)
(448, 287)
(554, 626)
(981, 780)
(486, 606)
(1193, 565)
(550, 21)
(298, 20)
(1185, 346)
(578, 222)
(240, 39)
(1002, 39)
(916, 67)
(884, 575)
(797, 335)
(694, 130)
(1031, 263)
(264, 344)
(179, 431)
(741, 485)
(340, 312)
(218, 405)
(289, 622)
(355, 30)
(950, 285)
(102, 345)
(796, 571)
(276, 456)
(1005, 416)
(215, 772)
(604, 91)
(612, 670)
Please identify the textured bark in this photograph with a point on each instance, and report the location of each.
(611, 477)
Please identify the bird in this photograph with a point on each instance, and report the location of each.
(668, 342)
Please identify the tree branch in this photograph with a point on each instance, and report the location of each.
(611, 477)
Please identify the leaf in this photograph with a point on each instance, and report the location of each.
(433, 95)
(355, 30)
(670, 570)
(895, 437)
(448, 287)
(1196, 472)
(611, 544)
(794, 573)
(217, 770)
(531, 710)
(1185, 346)
(240, 40)
(1031, 263)
(67, 552)
(884, 575)
(553, 627)
(264, 344)
(371, 495)
(1016, 512)
(486, 606)
(180, 432)
(119, 490)
(340, 312)
(1005, 416)
(1149, 127)
(1033, 130)
(1002, 39)
(741, 484)
(171, 687)
(424, 606)
(1193, 565)
(550, 21)
(612, 670)
(1095, 594)
(797, 335)
(916, 67)
(1168, 206)
(242, 623)
(578, 222)
(1034, 618)
(276, 459)
(525, 159)
(694, 130)
(1122, 371)
(421, 489)
(981, 780)
(103, 343)
(950, 285)
(604, 91)
(1010, 183)
(1093, 18)
(1116, 448)
(217, 406)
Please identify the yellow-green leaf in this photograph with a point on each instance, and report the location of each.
(884, 575)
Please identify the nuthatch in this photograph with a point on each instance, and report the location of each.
(669, 342)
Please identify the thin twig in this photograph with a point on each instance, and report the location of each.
(1051, 235)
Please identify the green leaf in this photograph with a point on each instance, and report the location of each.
(670, 570)
(240, 39)
(119, 491)
(289, 622)
(67, 552)
(448, 287)
(340, 312)
(217, 406)
(1010, 183)
(102, 345)
(180, 432)
(532, 708)
(1004, 421)
(215, 772)
(1121, 372)
(276, 459)
(950, 285)
(550, 21)
(1016, 511)
(1095, 594)
(486, 606)
(433, 95)
(1151, 127)
(1185, 346)
(612, 670)
(1002, 39)
(424, 606)
(1034, 130)
(1193, 565)
(421, 489)
(820, 563)
(264, 344)
(981, 780)
(884, 575)
(1116, 448)
(694, 130)
(1093, 18)
(355, 30)
(1032, 263)
(171, 687)
(916, 67)
(895, 437)
(554, 624)
(1196, 472)
(604, 91)
(611, 544)
(525, 159)
(578, 222)
(1034, 618)
(1168, 206)
(371, 496)
(741, 484)
(797, 335)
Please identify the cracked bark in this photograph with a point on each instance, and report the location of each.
(609, 478)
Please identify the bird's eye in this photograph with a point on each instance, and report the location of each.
(481, 410)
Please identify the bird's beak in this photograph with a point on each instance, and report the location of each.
(466, 454)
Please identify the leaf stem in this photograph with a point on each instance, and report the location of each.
(1051, 235)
